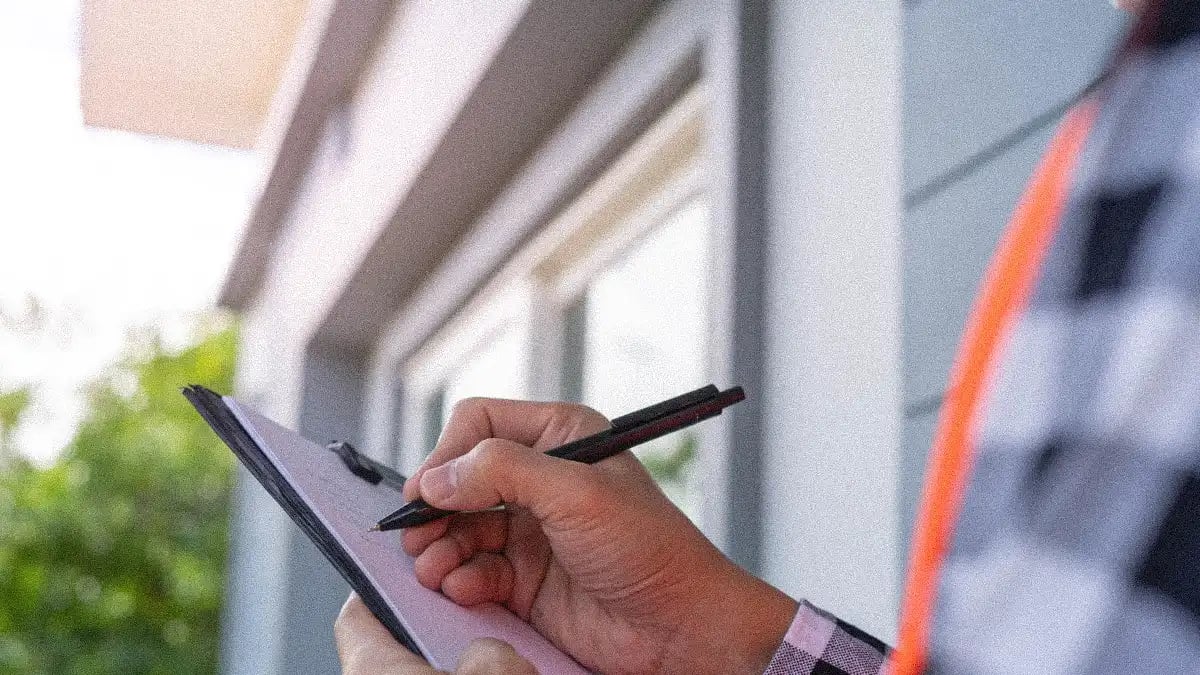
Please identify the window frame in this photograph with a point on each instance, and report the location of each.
(660, 172)
(424, 374)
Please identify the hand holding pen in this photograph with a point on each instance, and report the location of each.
(594, 556)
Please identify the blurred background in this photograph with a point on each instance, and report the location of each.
(352, 213)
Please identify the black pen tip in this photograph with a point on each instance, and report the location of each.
(412, 514)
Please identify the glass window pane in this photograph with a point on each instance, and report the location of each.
(574, 342)
(647, 336)
(495, 370)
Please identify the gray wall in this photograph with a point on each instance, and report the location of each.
(282, 595)
(975, 73)
(252, 617)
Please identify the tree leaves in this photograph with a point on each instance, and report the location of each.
(12, 406)
(112, 560)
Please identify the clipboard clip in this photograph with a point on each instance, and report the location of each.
(366, 468)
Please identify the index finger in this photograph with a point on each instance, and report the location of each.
(541, 426)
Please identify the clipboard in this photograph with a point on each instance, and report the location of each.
(334, 494)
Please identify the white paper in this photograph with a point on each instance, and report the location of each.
(349, 506)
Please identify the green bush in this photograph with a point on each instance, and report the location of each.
(112, 559)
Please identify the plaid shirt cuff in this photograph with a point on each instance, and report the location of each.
(818, 643)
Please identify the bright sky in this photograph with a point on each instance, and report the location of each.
(108, 230)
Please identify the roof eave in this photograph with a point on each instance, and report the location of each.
(331, 49)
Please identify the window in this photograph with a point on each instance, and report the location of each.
(484, 351)
(645, 333)
(493, 370)
(607, 304)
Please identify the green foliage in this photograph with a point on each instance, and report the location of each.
(671, 467)
(112, 559)
(12, 407)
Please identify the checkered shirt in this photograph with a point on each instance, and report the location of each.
(821, 644)
(1078, 545)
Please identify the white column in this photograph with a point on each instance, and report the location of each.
(832, 292)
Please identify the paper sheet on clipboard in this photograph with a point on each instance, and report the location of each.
(336, 508)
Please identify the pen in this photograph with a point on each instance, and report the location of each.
(623, 433)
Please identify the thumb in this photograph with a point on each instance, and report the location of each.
(366, 647)
(487, 656)
(499, 471)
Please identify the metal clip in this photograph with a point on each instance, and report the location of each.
(366, 468)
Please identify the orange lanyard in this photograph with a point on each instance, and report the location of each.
(1005, 292)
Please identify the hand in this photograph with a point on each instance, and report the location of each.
(365, 647)
(595, 557)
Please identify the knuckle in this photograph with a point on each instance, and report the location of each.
(485, 656)
(491, 647)
(505, 580)
(464, 406)
(578, 418)
(581, 411)
(491, 454)
(463, 545)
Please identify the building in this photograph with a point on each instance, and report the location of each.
(615, 202)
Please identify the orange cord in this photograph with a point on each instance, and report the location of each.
(1006, 289)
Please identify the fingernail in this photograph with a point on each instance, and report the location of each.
(438, 484)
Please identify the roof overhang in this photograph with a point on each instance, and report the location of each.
(553, 53)
(333, 46)
(201, 71)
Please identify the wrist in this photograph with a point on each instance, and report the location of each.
(737, 628)
(761, 619)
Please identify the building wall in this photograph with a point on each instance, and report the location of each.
(786, 287)
(832, 308)
(372, 148)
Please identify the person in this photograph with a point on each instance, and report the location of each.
(1060, 528)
